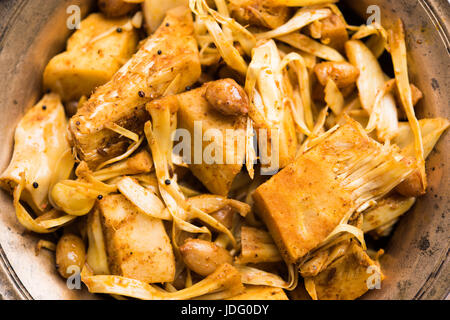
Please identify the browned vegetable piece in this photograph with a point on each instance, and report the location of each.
(303, 203)
(412, 186)
(416, 95)
(318, 92)
(168, 60)
(386, 212)
(70, 255)
(137, 245)
(227, 97)
(257, 247)
(343, 73)
(116, 8)
(194, 109)
(224, 216)
(204, 257)
(94, 54)
(260, 13)
(141, 162)
(347, 278)
(334, 32)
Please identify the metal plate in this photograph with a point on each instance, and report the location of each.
(416, 262)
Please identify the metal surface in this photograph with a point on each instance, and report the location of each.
(416, 262)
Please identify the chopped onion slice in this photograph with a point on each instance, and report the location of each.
(398, 53)
(302, 17)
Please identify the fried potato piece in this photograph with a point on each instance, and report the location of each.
(347, 278)
(94, 54)
(303, 203)
(261, 13)
(137, 245)
(195, 110)
(261, 293)
(166, 63)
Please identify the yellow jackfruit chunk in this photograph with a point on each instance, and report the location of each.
(94, 54)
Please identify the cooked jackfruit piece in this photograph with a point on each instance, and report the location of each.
(348, 277)
(216, 177)
(303, 203)
(320, 259)
(166, 63)
(195, 110)
(430, 129)
(261, 293)
(137, 245)
(40, 139)
(261, 13)
(257, 246)
(155, 11)
(332, 31)
(272, 117)
(387, 209)
(94, 54)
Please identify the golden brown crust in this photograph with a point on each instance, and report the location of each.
(137, 245)
(94, 54)
(305, 201)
